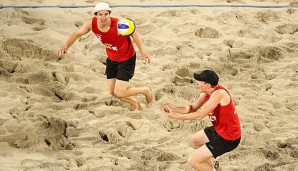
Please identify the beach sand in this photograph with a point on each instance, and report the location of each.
(57, 114)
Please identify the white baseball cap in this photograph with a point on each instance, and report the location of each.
(101, 6)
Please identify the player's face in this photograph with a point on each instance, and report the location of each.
(202, 86)
(103, 16)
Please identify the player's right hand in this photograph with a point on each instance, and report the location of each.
(62, 51)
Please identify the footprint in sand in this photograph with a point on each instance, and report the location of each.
(267, 16)
(182, 77)
(120, 132)
(58, 76)
(207, 32)
(26, 49)
(287, 29)
(269, 53)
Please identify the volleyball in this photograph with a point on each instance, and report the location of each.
(126, 27)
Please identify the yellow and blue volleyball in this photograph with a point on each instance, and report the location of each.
(126, 27)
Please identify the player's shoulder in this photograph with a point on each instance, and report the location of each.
(89, 20)
(219, 93)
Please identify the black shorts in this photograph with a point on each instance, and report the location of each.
(217, 144)
(121, 70)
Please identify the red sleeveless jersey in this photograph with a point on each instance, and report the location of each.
(118, 48)
(225, 119)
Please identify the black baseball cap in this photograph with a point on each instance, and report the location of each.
(207, 76)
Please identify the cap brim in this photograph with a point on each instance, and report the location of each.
(197, 77)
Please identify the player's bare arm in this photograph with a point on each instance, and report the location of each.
(137, 39)
(84, 29)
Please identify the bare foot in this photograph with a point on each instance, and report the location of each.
(149, 97)
(137, 107)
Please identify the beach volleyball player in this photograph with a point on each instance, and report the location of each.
(121, 55)
(214, 102)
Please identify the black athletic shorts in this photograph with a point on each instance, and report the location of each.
(121, 70)
(217, 144)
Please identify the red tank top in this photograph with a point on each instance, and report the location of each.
(225, 119)
(118, 48)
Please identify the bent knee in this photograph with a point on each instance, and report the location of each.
(195, 142)
(112, 92)
(192, 162)
(118, 94)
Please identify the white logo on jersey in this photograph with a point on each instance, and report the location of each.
(212, 118)
(98, 36)
(110, 46)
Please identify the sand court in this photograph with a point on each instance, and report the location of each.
(57, 113)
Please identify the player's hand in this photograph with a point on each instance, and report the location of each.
(164, 108)
(168, 109)
(172, 107)
(147, 58)
(62, 51)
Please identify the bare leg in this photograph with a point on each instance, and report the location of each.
(122, 90)
(130, 100)
(201, 159)
(198, 139)
(136, 104)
